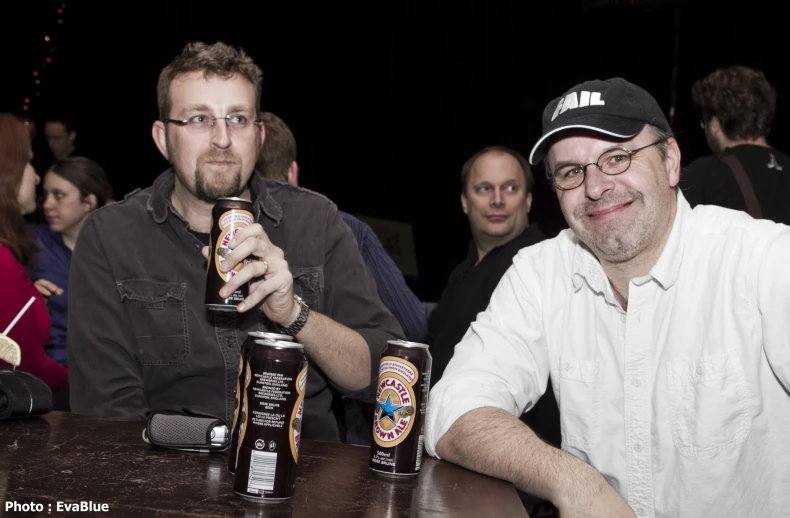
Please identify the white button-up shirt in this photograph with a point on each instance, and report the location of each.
(682, 401)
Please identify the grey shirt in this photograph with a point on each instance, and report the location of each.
(140, 338)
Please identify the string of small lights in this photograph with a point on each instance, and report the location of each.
(53, 35)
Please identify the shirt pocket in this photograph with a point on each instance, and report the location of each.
(580, 403)
(309, 284)
(711, 410)
(157, 311)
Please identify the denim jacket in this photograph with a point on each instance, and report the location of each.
(140, 338)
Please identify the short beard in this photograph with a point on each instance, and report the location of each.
(617, 246)
(228, 186)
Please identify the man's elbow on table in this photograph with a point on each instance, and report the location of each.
(444, 413)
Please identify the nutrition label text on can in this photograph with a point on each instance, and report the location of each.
(275, 387)
(271, 388)
(273, 400)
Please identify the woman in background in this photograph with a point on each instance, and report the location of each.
(73, 188)
(18, 182)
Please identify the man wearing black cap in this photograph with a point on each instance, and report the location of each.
(664, 331)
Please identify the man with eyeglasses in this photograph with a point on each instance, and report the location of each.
(664, 331)
(140, 337)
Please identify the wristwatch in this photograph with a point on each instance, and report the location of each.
(301, 319)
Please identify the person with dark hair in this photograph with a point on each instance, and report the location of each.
(737, 106)
(277, 159)
(73, 188)
(18, 182)
(60, 134)
(141, 338)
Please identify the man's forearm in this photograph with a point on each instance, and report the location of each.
(493, 442)
(341, 352)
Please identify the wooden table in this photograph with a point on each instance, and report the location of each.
(70, 458)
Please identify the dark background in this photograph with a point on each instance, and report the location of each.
(386, 102)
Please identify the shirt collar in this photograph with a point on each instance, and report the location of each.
(159, 205)
(587, 268)
(667, 269)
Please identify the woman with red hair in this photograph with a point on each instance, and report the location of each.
(18, 182)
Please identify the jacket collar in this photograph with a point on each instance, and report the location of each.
(159, 205)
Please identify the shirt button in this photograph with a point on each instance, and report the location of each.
(640, 511)
(566, 366)
(636, 382)
(637, 447)
(622, 319)
(700, 370)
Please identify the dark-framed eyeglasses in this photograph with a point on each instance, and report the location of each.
(612, 162)
(204, 123)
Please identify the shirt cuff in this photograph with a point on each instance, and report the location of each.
(448, 402)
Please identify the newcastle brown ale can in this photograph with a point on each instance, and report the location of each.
(248, 344)
(228, 217)
(270, 424)
(399, 416)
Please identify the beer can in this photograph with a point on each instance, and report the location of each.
(228, 216)
(401, 401)
(270, 423)
(248, 344)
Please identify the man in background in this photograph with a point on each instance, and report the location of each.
(496, 195)
(60, 135)
(737, 106)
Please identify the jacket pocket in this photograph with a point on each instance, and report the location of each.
(309, 284)
(710, 406)
(580, 403)
(157, 311)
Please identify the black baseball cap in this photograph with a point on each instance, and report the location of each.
(613, 107)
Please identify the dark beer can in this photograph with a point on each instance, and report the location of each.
(270, 423)
(248, 344)
(399, 416)
(228, 216)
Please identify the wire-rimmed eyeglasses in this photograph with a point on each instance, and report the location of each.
(612, 162)
(204, 123)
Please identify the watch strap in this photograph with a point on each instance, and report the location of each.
(301, 319)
